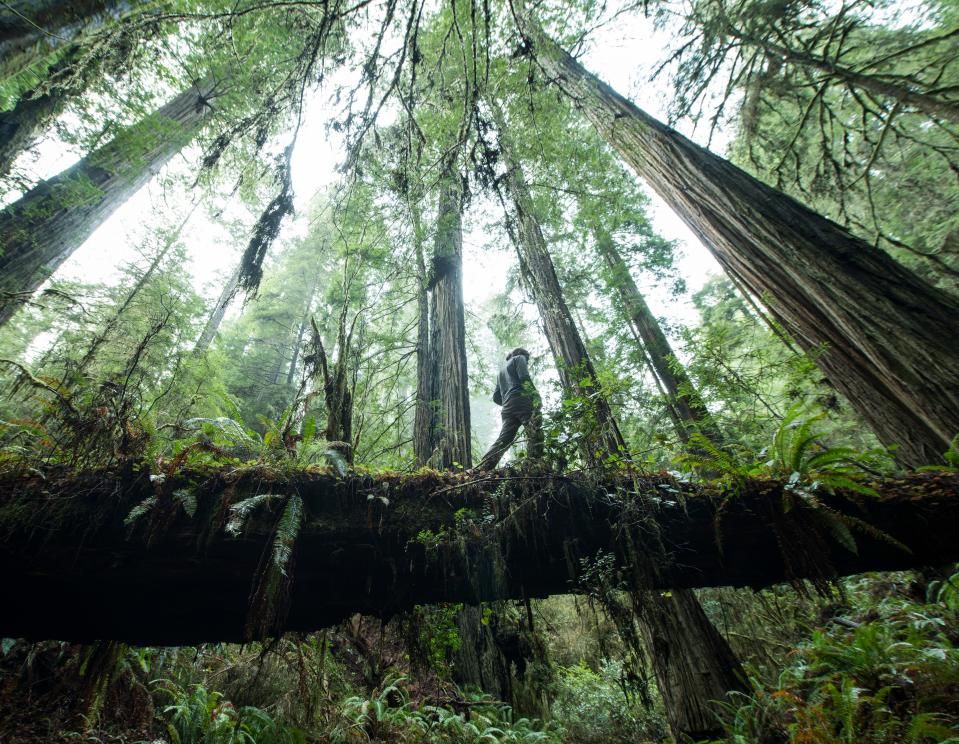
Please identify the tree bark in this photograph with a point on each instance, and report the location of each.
(48, 223)
(884, 337)
(333, 380)
(692, 661)
(78, 572)
(219, 310)
(424, 413)
(576, 372)
(35, 111)
(29, 31)
(687, 407)
(450, 384)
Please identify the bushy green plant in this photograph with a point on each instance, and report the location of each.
(200, 716)
(390, 716)
(892, 677)
(593, 708)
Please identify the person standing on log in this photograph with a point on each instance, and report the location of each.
(521, 404)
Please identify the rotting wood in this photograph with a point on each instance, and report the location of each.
(74, 571)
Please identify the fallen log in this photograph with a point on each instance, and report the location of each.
(166, 561)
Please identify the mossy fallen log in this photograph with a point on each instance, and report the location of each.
(233, 555)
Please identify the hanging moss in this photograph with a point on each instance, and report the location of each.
(241, 552)
(268, 226)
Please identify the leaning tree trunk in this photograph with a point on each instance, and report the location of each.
(41, 230)
(219, 310)
(37, 109)
(669, 626)
(450, 385)
(29, 31)
(686, 406)
(883, 336)
(66, 80)
(692, 661)
(576, 372)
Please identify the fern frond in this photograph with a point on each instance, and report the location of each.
(140, 510)
(222, 424)
(874, 532)
(287, 530)
(241, 511)
(187, 500)
(842, 480)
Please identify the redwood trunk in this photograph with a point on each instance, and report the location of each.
(34, 112)
(576, 372)
(29, 31)
(693, 663)
(423, 415)
(219, 310)
(48, 223)
(884, 337)
(686, 406)
(450, 385)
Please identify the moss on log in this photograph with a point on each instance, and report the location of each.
(123, 556)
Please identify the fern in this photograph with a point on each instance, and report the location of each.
(241, 511)
(140, 510)
(186, 499)
(287, 530)
(271, 588)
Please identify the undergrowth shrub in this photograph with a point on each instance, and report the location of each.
(196, 715)
(390, 716)
(891, 676)
(592, 707)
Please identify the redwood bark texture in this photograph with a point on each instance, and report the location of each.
(695, 665)
(884, 337)
(219, 311)
(576, 372)
(424, 412)
(449, 382)
(30, 30)
(48, 223)
(75, 571)
(686, 407)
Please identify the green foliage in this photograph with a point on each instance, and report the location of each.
(389, 716)
(593, 708)
(890, 678)
(270, 598)
(951, 456)
(199, 716)
(808, 466)
(437, 636)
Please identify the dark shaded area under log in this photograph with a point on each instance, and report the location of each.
(74, 571)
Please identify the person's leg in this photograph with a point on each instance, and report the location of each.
(534, 432)
(507, 434)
